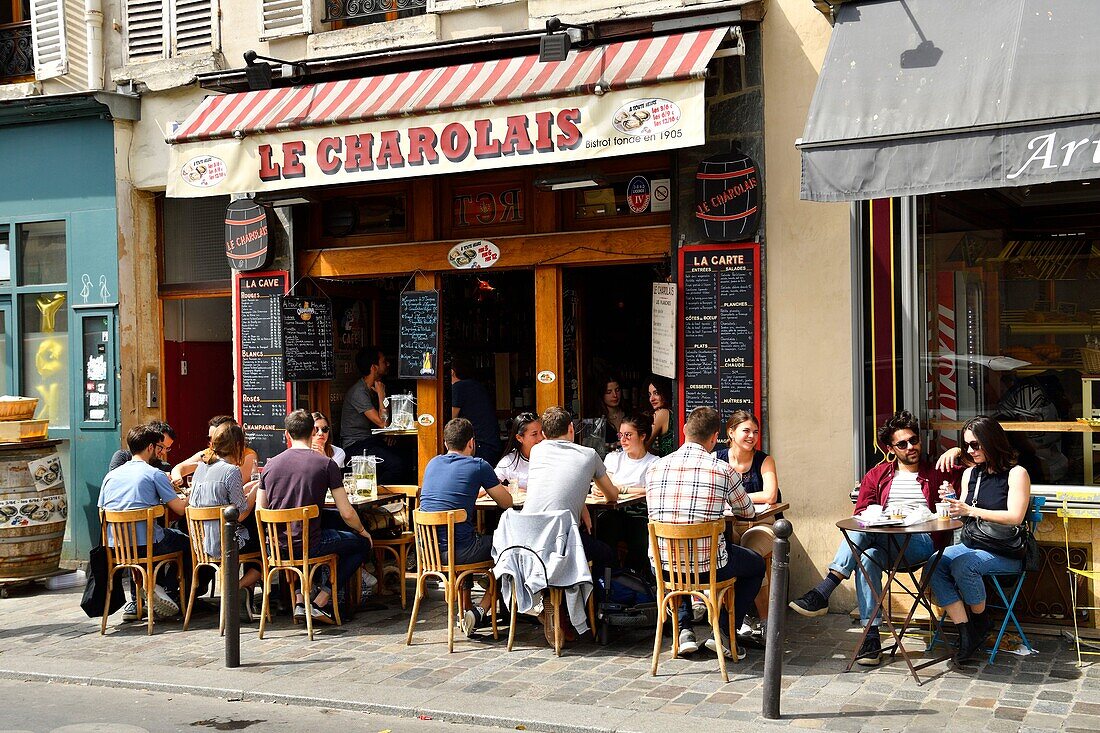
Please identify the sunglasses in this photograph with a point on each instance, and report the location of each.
(627, 435)
(905, 444)
(527, 417)
(974, 445)
(321, 430)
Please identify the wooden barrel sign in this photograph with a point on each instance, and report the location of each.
(727, 197)
(33, 511)
(246, 235)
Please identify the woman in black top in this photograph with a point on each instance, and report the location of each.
(756, 468)
(994, 489)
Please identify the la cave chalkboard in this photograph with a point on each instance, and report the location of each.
(263, 394)
(308, 339)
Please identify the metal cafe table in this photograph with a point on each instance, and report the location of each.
(899, 537)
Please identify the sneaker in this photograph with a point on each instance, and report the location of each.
(870, 653)
(299, 612)
(472, 620)
(810, 605)
(688, 644)
(247, 615)
(713, 646)
(163, 605)
(324, 615)
(698, 610)
(547, 618)
(129, 611)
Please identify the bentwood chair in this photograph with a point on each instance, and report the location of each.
(123, 551)
(197, 517)
(1077, 575)
(399, 546)
(681, 576)
(430, 563)
(281, 556)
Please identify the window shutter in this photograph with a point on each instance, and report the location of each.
(285, 17)
(193, 25)
(48, 33)
(145, 29)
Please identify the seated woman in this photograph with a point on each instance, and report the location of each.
(524, 433)
(185, 468)
(628, 465)
(757, 468)
(663, 439)
(217, 482)
(612, 410)
(995, 489)
(322, 431)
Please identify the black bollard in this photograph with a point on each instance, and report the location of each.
(777, 612)
(230, 589)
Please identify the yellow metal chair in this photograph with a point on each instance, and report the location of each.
(1067, 512)
(197, 517)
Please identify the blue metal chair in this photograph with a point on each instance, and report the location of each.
(1007, 586)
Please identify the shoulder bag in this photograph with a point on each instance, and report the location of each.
(1009, 541)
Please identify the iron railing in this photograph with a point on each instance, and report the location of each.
(357, 12)
(16, 54)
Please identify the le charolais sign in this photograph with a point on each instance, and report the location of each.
(553, 131)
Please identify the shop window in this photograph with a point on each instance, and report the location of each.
(97, 360)
(621, 200)
(483, 208)
(44, 318)
(194, 241)
(383, 213)
(42, 253)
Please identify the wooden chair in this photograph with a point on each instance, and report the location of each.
(127, 553)
(429, 563)
(399, 546)
(296, 565)
(684, 578)
(197, 517)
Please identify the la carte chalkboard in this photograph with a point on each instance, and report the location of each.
(720, 327)
(307, 339)
(418, 335)
(262, 393)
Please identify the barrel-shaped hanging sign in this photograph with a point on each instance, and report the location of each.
(246, 235)
(727, 197)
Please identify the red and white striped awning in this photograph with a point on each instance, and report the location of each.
(615, 66)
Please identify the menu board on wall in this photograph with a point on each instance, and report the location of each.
(663, 330)
(720, 327)
(418, 335)
(262, 394)
(306, 326)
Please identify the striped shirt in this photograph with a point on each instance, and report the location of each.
(218, 484)
(905, 493)
(689, 486)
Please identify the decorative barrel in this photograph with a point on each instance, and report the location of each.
(246, 235)
(727, 197)
(33, 510)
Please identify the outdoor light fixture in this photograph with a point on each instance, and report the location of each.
(259, 74)
(555, 45)
(565, 183)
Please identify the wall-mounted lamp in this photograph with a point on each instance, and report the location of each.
(555, 45)
(259, 75)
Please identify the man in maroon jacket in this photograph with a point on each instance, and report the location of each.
(900, 482)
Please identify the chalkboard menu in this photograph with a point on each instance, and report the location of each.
(307, 339)
(418, 335)
(720, 328)
(263, 395)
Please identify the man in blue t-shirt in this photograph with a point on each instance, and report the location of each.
(470, 399)
(452, 481)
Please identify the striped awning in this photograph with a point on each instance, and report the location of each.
(615, 67)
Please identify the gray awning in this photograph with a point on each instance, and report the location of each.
(922, 96)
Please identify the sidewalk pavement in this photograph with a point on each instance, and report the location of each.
(365, 665)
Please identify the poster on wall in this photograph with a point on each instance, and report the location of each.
(663, 330)
(307, 339)
(418, 335)
(262, 394)
(719, 296)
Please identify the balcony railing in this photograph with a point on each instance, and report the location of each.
(16, 56)
(358, 12)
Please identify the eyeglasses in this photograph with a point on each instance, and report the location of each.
(905, 444)
(974, 445)
(165, 448)
(323, 429)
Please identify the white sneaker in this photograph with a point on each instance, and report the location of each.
(163, 605)
(688, 644)
(129, 611)
(698, 610)
(713, 646)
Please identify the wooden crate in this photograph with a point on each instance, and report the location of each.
(22, 431)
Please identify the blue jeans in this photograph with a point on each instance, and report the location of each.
(877, 551)
(961, 572)
(748, 568)
(350, 550)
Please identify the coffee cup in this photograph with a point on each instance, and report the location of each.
(943, 510)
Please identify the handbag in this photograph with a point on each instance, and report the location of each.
(95, 589)
(1000, 539)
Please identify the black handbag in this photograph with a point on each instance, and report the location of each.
(95, 589)
(1009, 541)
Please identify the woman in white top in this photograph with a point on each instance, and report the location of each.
(526, 431)
(628, 466)
(320, 442)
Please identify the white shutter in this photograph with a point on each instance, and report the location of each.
(285, 17)
(51, 56)
(145, 29)
(193, 25)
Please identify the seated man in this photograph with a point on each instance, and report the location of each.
(452, 481)
(136, 484)
(560, 476)
(365, 412)
(298, 477)
(900, 482)
(689, 486)
(160, 457)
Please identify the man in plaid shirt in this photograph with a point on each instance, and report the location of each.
(691, 486)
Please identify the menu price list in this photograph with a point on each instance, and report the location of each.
(307, 339)
(262, 388)
(720, 327)
(418, 335)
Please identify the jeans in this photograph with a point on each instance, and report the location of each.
(350, 550)
(877, 551)
(748, 568)
(961, 572)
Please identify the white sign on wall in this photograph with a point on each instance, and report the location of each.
(663, 355)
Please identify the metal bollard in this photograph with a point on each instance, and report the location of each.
(230, 590)
(777, 612)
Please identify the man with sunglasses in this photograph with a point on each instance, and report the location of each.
(904, 480)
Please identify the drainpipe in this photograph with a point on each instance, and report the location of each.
(93, 27)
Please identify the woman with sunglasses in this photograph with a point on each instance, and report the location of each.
(322, 430)
(524, 433)
(628, 465)
(994, 488)
(662, 441)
